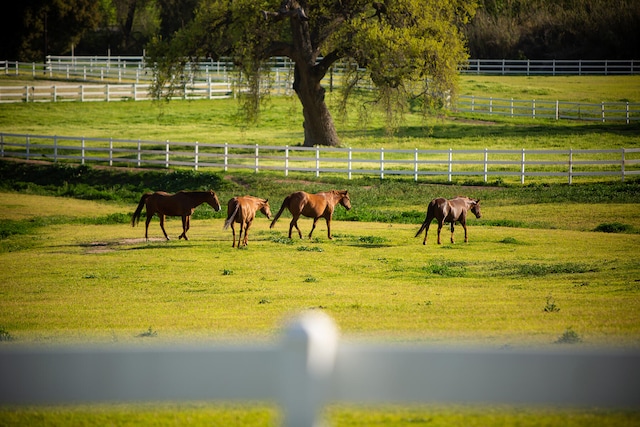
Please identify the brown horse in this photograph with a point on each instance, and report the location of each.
(449, 211)
(243, 210)
(316, 206)
(181, 204)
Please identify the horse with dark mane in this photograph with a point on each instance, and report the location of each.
(316, 206)
(451, 211)
(181, 204)
(243, 210)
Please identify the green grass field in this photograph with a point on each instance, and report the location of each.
(534, 273)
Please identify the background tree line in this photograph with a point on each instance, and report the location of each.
(513, 29)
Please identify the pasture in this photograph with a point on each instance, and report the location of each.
(535, 273)
(76, 279)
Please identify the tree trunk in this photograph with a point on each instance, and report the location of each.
(319, 128)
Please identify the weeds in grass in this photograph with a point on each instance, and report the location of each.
(538, 270)
(569, 337)
(5, 335)
(281, 239)
(372, 240)
(149, 333)
(446, 268)
(551, 306)
(310, 249)
(613, 227)
(310, 279)
(227, 272)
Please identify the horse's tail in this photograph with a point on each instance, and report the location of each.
(428, 219)
(232, 217)
(285, 203)
(136, 215)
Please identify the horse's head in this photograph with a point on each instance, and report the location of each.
(214, 202)
(475, 208)
(344, 199)
(265, 209)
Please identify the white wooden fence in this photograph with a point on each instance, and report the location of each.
(135, 67)
(310, 367)
(109, 92)
(553, 67)
(626, 112)
(439, 164)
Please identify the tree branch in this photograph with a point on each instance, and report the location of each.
(288, 9)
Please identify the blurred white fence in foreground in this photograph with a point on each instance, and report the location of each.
(309, 368)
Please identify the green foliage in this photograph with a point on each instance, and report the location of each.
(569, 337)
(551, 306)
(539, 270)
(566, 29)
(149, 333)
(5, 335)
(613, 227)
(446, 268)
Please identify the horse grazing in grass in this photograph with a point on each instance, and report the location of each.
(449, 211)
(181, 204)
(316, 206)
(243, 210)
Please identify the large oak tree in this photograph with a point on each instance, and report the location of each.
(407, 47)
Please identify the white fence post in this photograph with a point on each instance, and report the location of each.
(82, 144)
(522, 168)
(382, 163)
(349, 164)
(110, 151)
(486, 161)
(450, 164)
(286, 160)
(139, 160)
(166, 155)
(307, 363)
(570, 166)
(317, 161)
(257, 154)
(415, 165)
(226, 156)
(195, 156)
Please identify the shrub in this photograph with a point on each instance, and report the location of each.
(613, 227)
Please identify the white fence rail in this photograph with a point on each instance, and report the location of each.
(109, 92)
(626, 112)
(552, 67)
(135, 67)
(443, 164)
(310, 368)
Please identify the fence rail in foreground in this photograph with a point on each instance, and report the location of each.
(310, 368)
(519, 164)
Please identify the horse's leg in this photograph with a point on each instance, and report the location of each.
(162, 226)
(313, 227)
(464, 225)
(246, 232)
(184, 228)
(329, 228)
(440, 224)
(294, 223)
(233, 229)
(240, 235)
(146, 227)
(452, 228)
